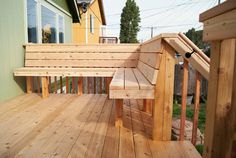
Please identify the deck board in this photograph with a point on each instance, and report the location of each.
(66, 125)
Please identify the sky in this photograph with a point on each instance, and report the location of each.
(163, 15)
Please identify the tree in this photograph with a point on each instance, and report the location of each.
(130, 19)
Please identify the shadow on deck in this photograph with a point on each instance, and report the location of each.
(72, 126)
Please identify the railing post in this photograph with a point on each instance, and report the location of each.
(55, 84)
(67, 84)
(147, 105)
(196, 107)
(61, 85)
(80, 85)
(184, 99)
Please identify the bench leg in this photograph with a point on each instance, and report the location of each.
(119, 109)
(108, 81)
(45, 93)
(80, 85)
(29, 84)
(147, 105)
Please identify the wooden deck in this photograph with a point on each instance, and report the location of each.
(80, 126)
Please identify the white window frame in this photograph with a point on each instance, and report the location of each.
(52, 8)
(91, 23)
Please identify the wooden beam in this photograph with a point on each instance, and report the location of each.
(162, 109)
(108, 81)
(49, 84)
(218, 10)
(55, 84)
(88, 84)
(220, 27)
(73, 85)
(67, 85)
(80, 85)
(61, 85)
(219, 122)
(147, 105)
(100, 85)
(184, 100)
(94, 85)
(29, 84)
(45, 93)
(38, 84)
(119, 109)
(196, 107)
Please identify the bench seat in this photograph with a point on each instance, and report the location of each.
(65, 72)
(130, 83)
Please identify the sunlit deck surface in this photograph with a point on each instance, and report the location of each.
(80, 126)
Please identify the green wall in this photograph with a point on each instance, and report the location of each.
(12, 38)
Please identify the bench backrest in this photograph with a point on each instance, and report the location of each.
(96, 55)
(149, 60)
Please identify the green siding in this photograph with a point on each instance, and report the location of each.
(12, 37)
(62, 4)
(68, 29)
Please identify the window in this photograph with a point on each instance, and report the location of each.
(91, 23)
(45, 23)
(49, 30)
(61, 29)
(32, 21)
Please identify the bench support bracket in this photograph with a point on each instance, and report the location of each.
(119, 110)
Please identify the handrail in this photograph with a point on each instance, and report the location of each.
(195, 48)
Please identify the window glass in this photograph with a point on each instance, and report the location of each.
(91, 24)
(61, 29)
(48, 26)
(32, 21)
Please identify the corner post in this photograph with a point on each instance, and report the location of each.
(163, 106)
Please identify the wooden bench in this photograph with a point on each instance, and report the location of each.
(97, 60)
(143, 71)
(139, 82)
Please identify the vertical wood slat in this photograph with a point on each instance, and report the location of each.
(88, 85)
(29, 84)
(80, 85)
(49, 84)
(119, 110)
(61, 85)
(108, 81)
(147, 105)
(44, 81)
(196, 108)
(38, 84)
(55, 84)
(100, 85)
(67, 85)
(184, 99)
(73, 85)
(94, 85)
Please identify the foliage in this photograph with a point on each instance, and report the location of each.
(196, 38)
(130, 19)
(190, 114)
(200, 148)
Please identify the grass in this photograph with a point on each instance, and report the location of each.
(189, 115)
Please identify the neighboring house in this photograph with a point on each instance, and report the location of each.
(91, 25)
(30, 21)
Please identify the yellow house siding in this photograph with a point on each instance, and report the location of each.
(79, 29)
